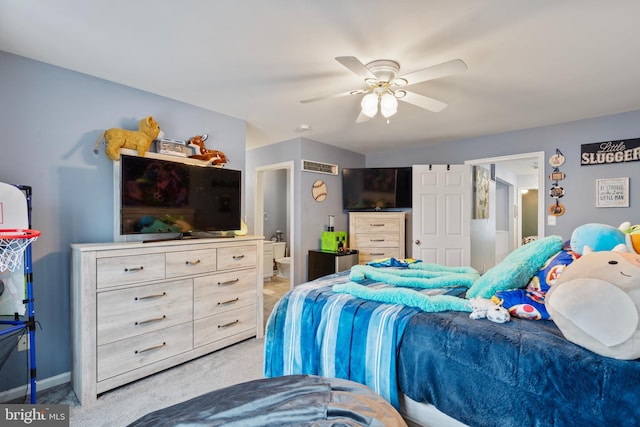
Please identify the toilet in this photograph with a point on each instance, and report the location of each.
(283, 263)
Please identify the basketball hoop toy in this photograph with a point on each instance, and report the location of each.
(15, 246)
(13, 243)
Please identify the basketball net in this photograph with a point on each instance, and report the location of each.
(13, 243)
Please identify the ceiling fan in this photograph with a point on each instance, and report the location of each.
(384, 86)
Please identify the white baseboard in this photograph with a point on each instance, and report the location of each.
(43, 384)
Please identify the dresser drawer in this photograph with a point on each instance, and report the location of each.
(222, 292)
(233, 257)
(126, 355)
(122, 270)
(378, 240)
(369, 254)
(186, 263)
(229, 323)
(371, 224)
(124, 313)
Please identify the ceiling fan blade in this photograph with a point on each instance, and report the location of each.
(362, 118)
(435, 72)
(335, 95)
(424, 102)
(357, 67)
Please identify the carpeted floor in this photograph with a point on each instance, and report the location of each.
(232, 365)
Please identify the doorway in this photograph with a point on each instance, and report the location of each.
(514, 174)
(265, 188)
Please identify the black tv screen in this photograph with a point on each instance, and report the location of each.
(376, 188)
(162, 196)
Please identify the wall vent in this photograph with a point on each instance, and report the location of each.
(318, 167)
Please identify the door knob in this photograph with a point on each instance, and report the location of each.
(417, 242)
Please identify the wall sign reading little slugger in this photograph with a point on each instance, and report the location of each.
(608, 152)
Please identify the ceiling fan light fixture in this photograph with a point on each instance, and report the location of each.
(388, 105)
(369, 105)
(400, 82)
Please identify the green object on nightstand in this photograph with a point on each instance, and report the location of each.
(331, 240)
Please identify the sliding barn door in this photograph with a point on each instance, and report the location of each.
(442, 214)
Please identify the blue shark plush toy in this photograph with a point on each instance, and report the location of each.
(597, 237)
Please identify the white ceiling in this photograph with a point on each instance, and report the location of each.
(531, 62)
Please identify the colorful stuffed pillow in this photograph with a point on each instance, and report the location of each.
(529, 303)
(596, 303)
(517, 268)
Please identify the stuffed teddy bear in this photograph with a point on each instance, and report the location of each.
(483, 307)
(214, 156)
(596, 303)
(140, 140)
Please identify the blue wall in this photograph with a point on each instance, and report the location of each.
(50, 121)
(580, 182)
(311, 217)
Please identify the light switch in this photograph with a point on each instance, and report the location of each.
(551, 220)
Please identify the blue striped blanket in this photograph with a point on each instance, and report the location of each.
(313, 330)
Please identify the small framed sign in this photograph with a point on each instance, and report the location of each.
(612, 193)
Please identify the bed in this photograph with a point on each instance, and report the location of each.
(475, 372)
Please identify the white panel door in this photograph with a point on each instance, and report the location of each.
(442, 214)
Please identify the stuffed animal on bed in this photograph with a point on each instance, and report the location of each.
(632, 236)
(529, 303)
(483, 307)
(598, 237)
(596, 303)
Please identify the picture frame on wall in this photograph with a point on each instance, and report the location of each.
(612, 192)
(480, 192)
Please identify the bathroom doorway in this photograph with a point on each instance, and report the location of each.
(274, 218)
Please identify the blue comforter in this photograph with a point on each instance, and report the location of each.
(522, 373)
(315, 331)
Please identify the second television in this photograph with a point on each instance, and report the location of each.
(370, 189)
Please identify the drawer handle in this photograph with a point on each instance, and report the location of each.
(134, 269)
(155, 347)
(238, 256)
(376, 240)
(228, 324)
(150, 296)
(196, 262)
(377, 225)
(228, 282)
(376, 253)
(157, 319)
(231, 301)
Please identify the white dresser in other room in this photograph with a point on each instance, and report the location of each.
(138, 308)
(377, 235)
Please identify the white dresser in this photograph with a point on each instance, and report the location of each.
(138, 308)
(377, 235)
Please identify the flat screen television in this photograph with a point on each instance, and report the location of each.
(376, 188)
(157, 196)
